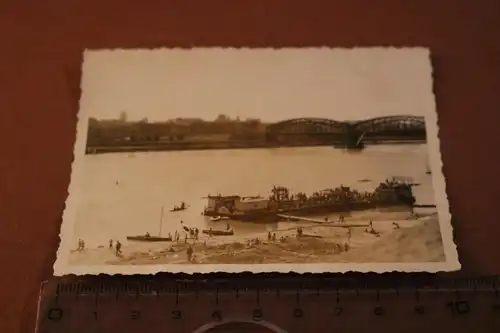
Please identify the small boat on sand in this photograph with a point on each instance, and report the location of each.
(310, 236)
(182, 206)
(218, 232)
(218, 218)
(428, 168)
(148, 238)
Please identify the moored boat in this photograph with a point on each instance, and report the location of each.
(148, 238)
(218, 232)
(391, 193)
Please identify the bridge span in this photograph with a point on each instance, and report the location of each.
(348, 132)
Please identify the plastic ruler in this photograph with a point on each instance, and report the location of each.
(292, 305)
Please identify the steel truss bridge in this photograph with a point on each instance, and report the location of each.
(400, 126)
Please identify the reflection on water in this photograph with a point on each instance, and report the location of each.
(123, 195)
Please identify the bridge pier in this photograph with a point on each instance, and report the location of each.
(271, 137)
(353, 140)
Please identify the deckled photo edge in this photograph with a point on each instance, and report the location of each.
(61, 266)
(438, 178)
(71, 204)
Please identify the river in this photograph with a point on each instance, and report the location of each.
(123, 193)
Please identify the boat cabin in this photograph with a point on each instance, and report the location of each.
(230, 204)
(217, 201)
(251, 204)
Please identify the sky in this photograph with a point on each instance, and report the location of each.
(273, 85)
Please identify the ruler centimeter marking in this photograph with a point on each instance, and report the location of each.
(468, 306)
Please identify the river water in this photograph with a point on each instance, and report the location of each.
(123, 193)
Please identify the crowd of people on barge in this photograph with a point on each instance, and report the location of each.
(339, 195)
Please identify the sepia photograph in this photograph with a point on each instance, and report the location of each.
(307, 160)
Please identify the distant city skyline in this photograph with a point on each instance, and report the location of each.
(270, 85)
(235, 119)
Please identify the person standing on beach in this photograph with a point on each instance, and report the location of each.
(118, 248)
(81, 245)
(110, 243)
(370, 228)
(189, 253)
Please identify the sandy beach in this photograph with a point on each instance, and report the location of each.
(413, 239)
